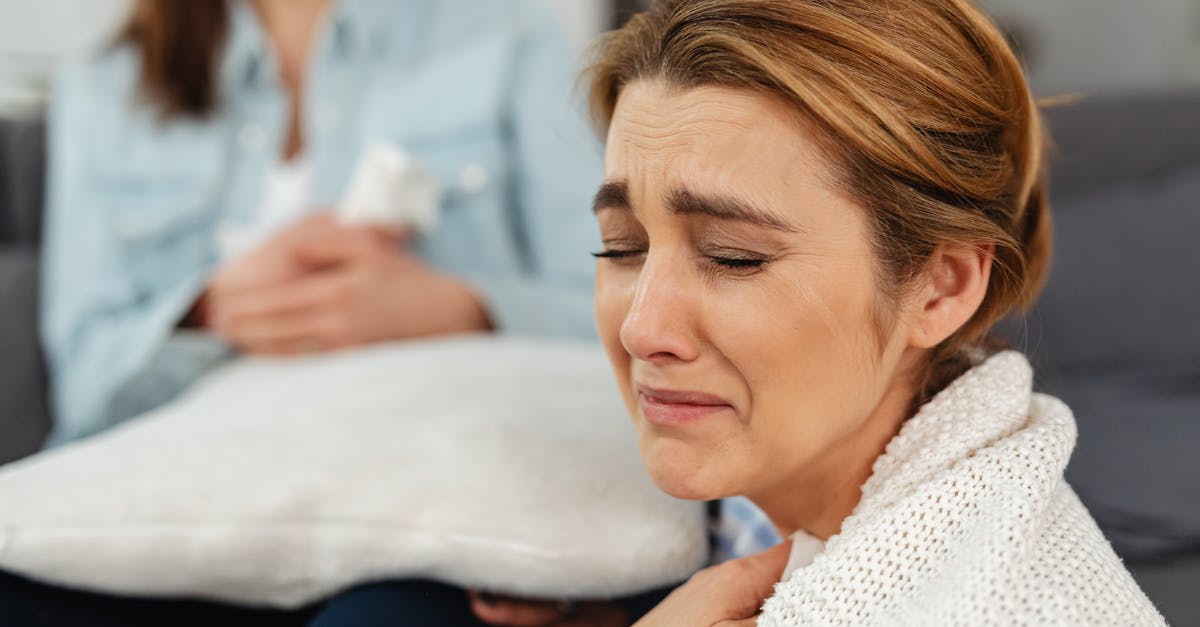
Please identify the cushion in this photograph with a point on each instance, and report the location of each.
(22, 165)
(1115, 336)
(24, 415)
(1121, 138)
(507, 465)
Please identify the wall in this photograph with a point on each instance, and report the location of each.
(51, 28)
(1107, 45)
(1074, 45)
(34, 33)
(1102, 45)
(55, 27)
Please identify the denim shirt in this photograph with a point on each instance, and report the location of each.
(480, 91)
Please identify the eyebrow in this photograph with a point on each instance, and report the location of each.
(611, 195)
(615, 195)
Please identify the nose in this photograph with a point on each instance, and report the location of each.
(659, 324)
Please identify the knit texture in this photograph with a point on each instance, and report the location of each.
(966, 520)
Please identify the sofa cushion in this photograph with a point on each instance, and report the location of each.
(22, 167)
(1115, 336)
(1114, 332)
(24, 418)
(1123, 290)
(1102, 140)
(24, 421)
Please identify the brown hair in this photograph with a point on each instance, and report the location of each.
(922, 108)
(180, 43)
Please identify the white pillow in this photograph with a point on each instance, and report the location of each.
(503, 464)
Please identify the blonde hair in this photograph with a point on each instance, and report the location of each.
(920, 104)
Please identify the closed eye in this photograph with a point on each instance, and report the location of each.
(615, 254)
(737, 263)
(621, 256)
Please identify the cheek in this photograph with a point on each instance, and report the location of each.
(798, 323)
(804, 346)
(614, 293)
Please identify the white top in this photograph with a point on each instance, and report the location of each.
(967, 521)
(805, 547)
(287, 197)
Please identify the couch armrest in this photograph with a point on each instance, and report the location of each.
(1171, 585)
(24, 415)
(22, 173)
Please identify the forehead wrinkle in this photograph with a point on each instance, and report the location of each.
(654, 129)
(726, 207)
(713, 142)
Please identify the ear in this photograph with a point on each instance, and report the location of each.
(956, 282)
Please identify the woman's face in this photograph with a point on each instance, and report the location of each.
(737, 296)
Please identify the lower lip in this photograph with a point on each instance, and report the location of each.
(675, 414)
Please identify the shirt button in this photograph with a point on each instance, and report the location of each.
(252, 137)
(473, 178)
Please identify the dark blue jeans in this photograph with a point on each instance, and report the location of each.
(25, 603)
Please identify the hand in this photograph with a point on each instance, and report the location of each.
(356, 287)
(512, 612)
(728, 594)
(277, 261)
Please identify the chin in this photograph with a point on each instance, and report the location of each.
(682, 471)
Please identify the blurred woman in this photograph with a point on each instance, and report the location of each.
(813, 213)
(219, 121)
(244, 119)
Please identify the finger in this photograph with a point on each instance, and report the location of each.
(316, 222)
(771, 562)
(341, 244)
(744, 584)
(744, 622)
(311, 292)
(253, 271)
(395, 235)
(287, 334)
(278, 349)
(510, 612)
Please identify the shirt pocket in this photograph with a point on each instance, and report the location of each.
(449, 111)
(468, 162)
(477, 228)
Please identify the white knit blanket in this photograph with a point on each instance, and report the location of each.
(967, 520)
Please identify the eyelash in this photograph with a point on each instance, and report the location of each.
(734, 264)
(609, 253)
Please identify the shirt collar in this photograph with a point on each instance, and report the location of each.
(248, 58)
(349, 27)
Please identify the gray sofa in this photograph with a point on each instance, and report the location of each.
(1116, 334)
(24, 419)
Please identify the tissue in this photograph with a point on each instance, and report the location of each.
(391, 188)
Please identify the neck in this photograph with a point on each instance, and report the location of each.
(832, 484)
(292, 26)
